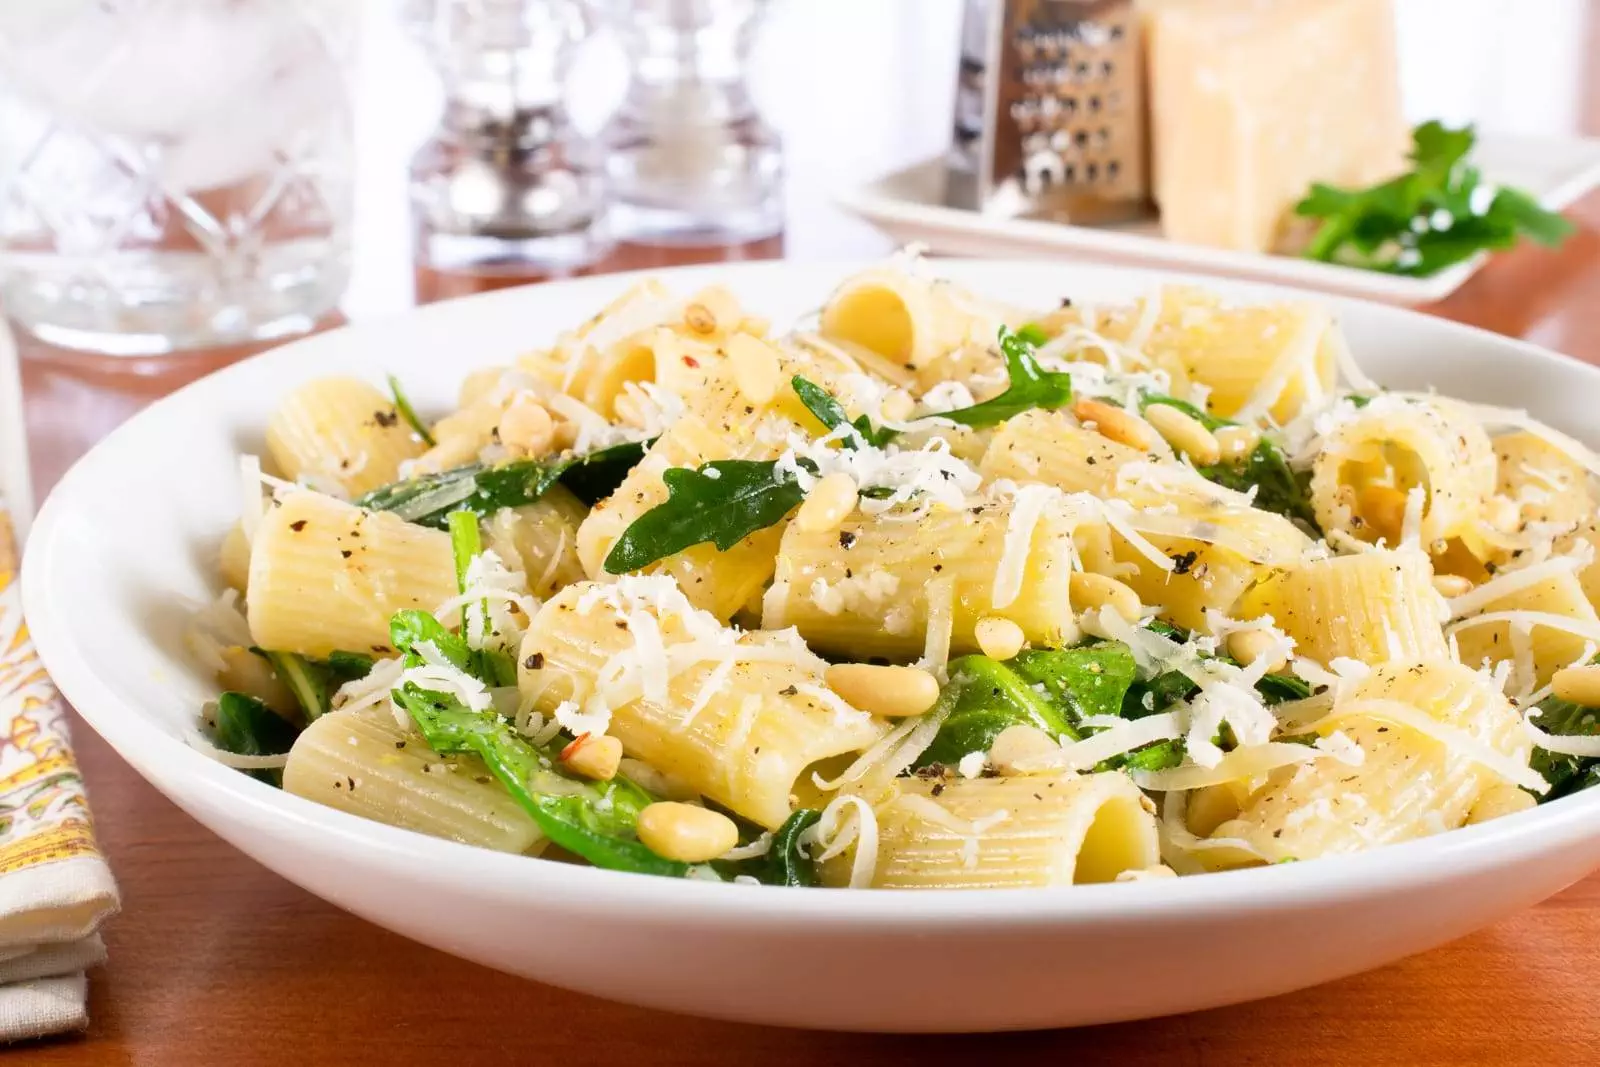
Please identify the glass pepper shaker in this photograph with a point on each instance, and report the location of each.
(506, 185)
(690, 160)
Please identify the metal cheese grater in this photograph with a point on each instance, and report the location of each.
(1050, 111)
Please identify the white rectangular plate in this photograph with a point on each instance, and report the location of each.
(909, 206)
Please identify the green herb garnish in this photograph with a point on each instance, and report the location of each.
(403, 406)
(1435, 215)
(247, 727)
(1279, 488)
(1031, 386)
(831, 414)
(429, 500)
(722, 502)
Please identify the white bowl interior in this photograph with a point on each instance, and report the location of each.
(126, 548)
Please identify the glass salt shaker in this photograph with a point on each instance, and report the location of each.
(506, 185)
(690, 160)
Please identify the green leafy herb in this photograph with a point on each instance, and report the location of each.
(1435, 215)
(785, 863)
(429, 500)
(1031, 386)
(492, 667)
(247, 727)
(984, 696)
(1279, 488)
(308, 680)
(1566, 774)
(348, 666)
(723, 502)
(409, 413)
(1084, 681)
(465, 544)
(595, 820)
(831, 414)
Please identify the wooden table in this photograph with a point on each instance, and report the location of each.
(216, 960)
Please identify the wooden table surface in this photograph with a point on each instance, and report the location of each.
(216, 960)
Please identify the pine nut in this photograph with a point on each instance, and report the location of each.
(527, 426)
(1247, 646)
(1115, 423)
(711, 310)
(897, 406)
(1237, 442)
(593, 757)
(1185, 433)
(686, 833)
(828, 504)
(1383, 508)
(1451, 585)
(1090, 591)
(1578, 685)
(1016, 745)
(893, 692)
(755, 369)
(999, 638)
(1500, 800)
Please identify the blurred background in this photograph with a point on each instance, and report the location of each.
(853, 89)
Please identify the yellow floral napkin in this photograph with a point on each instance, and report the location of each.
(55, 888)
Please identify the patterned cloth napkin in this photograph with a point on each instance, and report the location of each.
(55, 889)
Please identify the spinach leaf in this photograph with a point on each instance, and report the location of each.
(247, 727)
(1436, 215)
(595, 820)
(348, 666)
(403, 406)
(311, 682)
(826, 407)
(1031, 386)
(408, 629)
(1566, 774)
(785, 863)
(723, 502)
(1083, 681)
(429, 500)
(984, 696)
(1279, 488)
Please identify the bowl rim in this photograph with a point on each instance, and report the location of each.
(158, 757)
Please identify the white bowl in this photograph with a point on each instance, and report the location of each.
(126, 544)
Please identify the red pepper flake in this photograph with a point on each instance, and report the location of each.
(690, 361)
(572, 749)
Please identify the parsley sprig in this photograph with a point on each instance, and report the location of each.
(1437, 214)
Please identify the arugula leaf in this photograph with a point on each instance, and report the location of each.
(1430, 218)
(1566, 774)
(734, 500)
(1031, 387)
(348, 666)
(831, 414)
(1082, 681)
(403, 407)
(492, 667)
(785, 863)
(247, 727)
(429, 500)
(1279, 488)
(308, 680)
(595, 820)
(984, 697)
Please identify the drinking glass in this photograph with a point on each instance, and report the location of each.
(173, 173)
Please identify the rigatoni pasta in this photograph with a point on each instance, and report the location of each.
(934, 594)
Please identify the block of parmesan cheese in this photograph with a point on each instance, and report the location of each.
(1253, 100)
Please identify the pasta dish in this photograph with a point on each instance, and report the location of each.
(928, 591)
